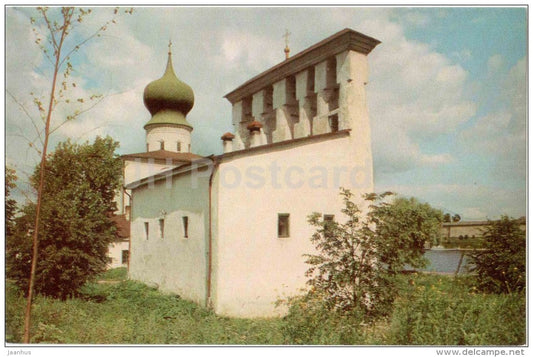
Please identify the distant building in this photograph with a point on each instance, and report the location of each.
(119, 249)
(455, 233)
(229, 231)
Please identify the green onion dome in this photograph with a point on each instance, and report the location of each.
(168, 99)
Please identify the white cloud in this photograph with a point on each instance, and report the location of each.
(501, 135)
(473, 213)
(471, 202)
(106, 119)
(451, 74)
(495, 63)
(488, 134)
(435, 160)
(237, 47)
(463, 55)
(401, 154)
(414, 95)
(417, 18)
(514, 89)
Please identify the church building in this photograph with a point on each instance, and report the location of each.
(229, 231)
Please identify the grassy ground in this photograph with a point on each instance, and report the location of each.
(430, 310)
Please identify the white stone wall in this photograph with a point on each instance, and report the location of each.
(137, 169)
(173, 263)
(170, 135)
(253, 267)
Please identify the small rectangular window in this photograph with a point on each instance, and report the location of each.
(185, 226)
(162, 145)
(179, 146)
(283, 225)
(334, 123)
(162, 228)
(146, 230)
(125, 256)
(147, 147)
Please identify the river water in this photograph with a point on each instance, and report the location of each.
(446, 260)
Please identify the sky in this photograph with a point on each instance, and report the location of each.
(447, 93)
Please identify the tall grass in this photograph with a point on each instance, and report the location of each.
(437, 311)
(131, 313)
(431, 310)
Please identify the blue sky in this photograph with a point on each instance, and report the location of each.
(446, 94)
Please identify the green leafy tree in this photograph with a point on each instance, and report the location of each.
(447, 218)
(500, 266)
(456, 218)
(75, 228)
(358, 258)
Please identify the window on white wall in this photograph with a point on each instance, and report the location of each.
(162, 145)
(179, 146)
(125, 256)
(185, 226)
(162, 228)
(283, 225)
(146, 230)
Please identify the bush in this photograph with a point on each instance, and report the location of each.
(359, 256)
(500, 266)
(47, 334)
(14, 319)
(311, 322)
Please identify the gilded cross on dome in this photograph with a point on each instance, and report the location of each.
(286, 35)
(287, 49)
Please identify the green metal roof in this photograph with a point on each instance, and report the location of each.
(168, 116)
(168, 99)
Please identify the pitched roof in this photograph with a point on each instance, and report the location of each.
(123, 225)
(164, 155)
(346, 39)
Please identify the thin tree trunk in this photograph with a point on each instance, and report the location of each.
(35, 252)
(27, 315)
